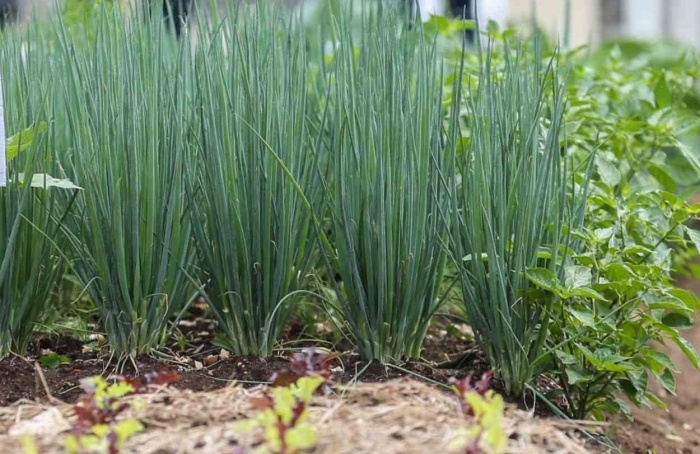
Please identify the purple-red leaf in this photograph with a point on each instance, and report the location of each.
(309, 361)
(469, 385)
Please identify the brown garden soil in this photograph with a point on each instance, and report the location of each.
(203, 367)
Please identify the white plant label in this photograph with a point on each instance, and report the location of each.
(3, 158)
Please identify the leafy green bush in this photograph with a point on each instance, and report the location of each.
(612, 294)
(618, 295)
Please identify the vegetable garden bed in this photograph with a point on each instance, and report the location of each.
(385, 407)
(471, 230)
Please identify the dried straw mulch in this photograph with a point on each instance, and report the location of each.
(403, 416)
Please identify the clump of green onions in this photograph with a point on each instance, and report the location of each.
(509, 206)
(124, 108)
(255, 181)
(389, 154)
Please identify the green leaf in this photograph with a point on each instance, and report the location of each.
(678, 320)
(566, 358)
(661, 175)
(671, 305)
(23, 140)
(632, 392)
(28, 444)
(618, 272)
(687, 297)
(126, 429)
(587, 292)
(694, 236)
(668, 381)
(46, 181)
(613, 366)
(586, 318)
(662, 359)
(689, 351)
(588, 355)
(691, 156)
(544, 279)
(119, 389)
(612, 362)
(609, 173)
(604, 234)
(53, 360)
(612, 405)
(637, 249)
(654, 399)
(72, 445)
(577, 375)
(301, 438)
(544, 253)
(577, 276)
(662, 93)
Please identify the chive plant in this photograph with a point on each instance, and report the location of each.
(389, 153)
(31, 265)
(125, 112)
(255, 188)
(510, 207)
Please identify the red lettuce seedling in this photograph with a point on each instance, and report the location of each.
(308, 362)
(466, 385)
(99, 407)
(484, 409)
(283, 418)
(100, 402)
(96, 412)
(146, 381)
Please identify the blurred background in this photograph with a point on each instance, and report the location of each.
(592, 21)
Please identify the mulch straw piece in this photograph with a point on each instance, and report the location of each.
(403, 416)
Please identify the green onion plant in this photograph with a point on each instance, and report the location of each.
(389, 154)
(255, 188)
(31, 266)
(31, 212)
(510, 206)
(125, 112)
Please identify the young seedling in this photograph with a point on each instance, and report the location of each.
(283, 419)
(152, 379)
(98, 428)
(308, 362)
(485, 409)
(466, 385)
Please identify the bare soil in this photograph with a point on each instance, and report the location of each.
(23, 378)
